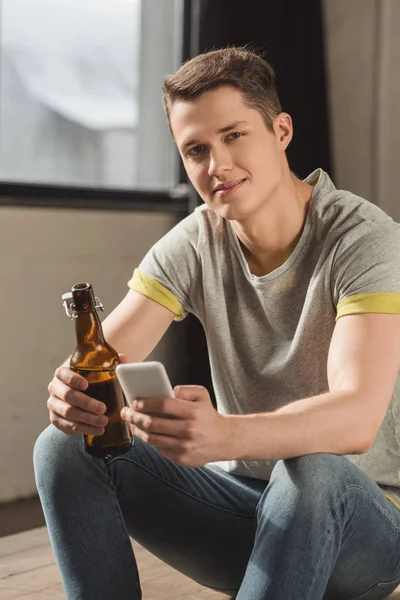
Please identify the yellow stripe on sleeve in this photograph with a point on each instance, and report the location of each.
(150, 288)
(378, 302)
(393, 501)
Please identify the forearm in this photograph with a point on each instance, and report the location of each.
(333, 422)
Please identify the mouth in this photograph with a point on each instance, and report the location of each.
(228, 188)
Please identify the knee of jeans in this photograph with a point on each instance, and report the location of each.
(312, 478)
(53, 450)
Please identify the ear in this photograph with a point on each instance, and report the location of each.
(283, 128)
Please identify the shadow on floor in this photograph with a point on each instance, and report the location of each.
(20, 515)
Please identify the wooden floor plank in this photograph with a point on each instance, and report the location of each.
(26, 561)
(35, 580)
(7, 593)
(49, 593)
(23, 541)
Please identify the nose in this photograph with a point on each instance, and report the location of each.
(220, 161)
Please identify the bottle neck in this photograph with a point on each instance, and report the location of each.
(88, 329)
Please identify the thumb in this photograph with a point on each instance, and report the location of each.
(193, 393)
(123, 358)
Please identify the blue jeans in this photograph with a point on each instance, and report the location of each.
(319, 529)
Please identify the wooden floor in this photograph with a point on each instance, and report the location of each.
(28, 572)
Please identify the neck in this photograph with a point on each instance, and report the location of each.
(269, 237)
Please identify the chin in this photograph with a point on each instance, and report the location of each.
(232, 214)
(236, 211)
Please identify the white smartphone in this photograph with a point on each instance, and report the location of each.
(144, 379)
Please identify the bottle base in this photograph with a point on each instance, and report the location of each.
(110, 452)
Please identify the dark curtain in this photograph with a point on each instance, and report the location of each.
(289, 34)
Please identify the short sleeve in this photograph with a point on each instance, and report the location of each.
(167, 272)
(365, 275)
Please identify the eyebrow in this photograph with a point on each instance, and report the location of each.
(224, 129)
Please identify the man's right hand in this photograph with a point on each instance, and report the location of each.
(70, 409)
(136, 326)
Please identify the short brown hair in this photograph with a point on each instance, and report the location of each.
(238, 67)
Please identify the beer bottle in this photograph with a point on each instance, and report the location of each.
(96, 360)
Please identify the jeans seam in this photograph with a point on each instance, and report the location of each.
(236, 514)
(117, 508)
(329, 536)
(317, 567)
(376, 586)
(381, 508)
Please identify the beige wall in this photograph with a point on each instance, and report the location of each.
(44, 252)
(363, 57)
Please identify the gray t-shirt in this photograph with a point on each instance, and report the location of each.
(268, 337)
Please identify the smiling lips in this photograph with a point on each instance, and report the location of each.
(228, 187)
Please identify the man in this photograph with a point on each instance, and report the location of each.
(297, 285)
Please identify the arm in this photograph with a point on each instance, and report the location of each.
(136, 325)
(363, 364)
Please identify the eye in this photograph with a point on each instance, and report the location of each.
(196, 150)
(234, 135)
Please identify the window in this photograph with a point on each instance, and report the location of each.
(80, 92)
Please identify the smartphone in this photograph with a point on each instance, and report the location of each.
(144, 379)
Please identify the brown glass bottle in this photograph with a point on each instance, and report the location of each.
(96, 360)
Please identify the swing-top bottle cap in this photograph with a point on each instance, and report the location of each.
(80, 296)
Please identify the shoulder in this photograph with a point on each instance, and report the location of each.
(203, 221)
(344, 217)
(194, 237)
(202, 232)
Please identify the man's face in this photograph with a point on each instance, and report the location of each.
(232, 159)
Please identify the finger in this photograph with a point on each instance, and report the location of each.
(161, 442)
(192, 393)
(123, 358)
(71, 378)
(74, 414)
(174, 407)
(71, 427)
(60, 390)
(177, 428)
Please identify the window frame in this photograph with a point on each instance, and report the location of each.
(175, 200)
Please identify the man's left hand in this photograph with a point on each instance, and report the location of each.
(186, 429)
